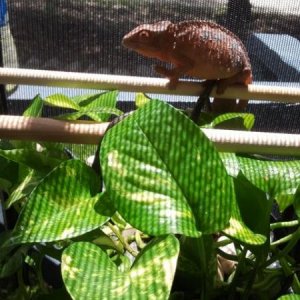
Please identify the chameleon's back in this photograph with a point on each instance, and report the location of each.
(215, 51)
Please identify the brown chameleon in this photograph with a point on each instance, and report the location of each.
(200, 49)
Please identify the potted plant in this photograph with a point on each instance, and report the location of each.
(168, 216)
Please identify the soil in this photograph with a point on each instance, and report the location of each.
(85, 36)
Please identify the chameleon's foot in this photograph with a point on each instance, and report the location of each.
(170, 74)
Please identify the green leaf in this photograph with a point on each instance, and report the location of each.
(141, 99)
(229, 120)
(35, 108)
(24, 188)
(248, 198)
(290, 297)
(70, 116)
(231, 163)
(163, 174)
(102, 106)
(280, 179)
(297, 202)
(95, 114)
(61, 206)
(102, 114)
(99, 107)
(253, 202)
(5, 185)
(104, 205)
(31, 158)
(197, 264)
(12, 263)
(87, 269)
(239, 231)
(85, 99)
(61, 100)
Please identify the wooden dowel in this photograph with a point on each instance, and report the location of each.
(50, 130)
(141, 84)
(254, 142)
(43, 129)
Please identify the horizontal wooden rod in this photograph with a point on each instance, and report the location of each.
(142, 84)
(44, 129)
(50, 130)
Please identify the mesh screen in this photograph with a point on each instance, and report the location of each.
(85, 36)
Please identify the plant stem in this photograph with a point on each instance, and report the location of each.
(139, 240)
(282, 240)
(239, 267)
(122, 240)
(22, 285)
(222, 243)
(203, 266)
(296, 284)
(293, 241)
(284, 224)
(226, 255)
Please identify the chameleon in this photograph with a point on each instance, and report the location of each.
(200, 49)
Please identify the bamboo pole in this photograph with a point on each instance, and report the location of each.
(44, 129)
(142, 84)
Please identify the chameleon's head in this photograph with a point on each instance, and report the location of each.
(147, 39)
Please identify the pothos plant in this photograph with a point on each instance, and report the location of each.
(168, 216)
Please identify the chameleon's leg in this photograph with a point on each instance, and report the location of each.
(168, 73)
(203, 100)
(231, 105)
(173, 74)
(244, 77)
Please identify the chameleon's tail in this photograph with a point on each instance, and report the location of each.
(203, 100)
(218, 106)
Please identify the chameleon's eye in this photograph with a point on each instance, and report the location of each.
(144, 34)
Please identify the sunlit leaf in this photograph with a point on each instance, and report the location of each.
(231, 163)
(31, 158)
(95, 114)
(163, 175)
(24, 188)
(61, 206)
(85, 98)
(280, 179)
(101, 107)
(61, 100)
(290, 297)
(141, 99)
(87, 269)
(229, 120)
(238, 229)
(35, 107)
